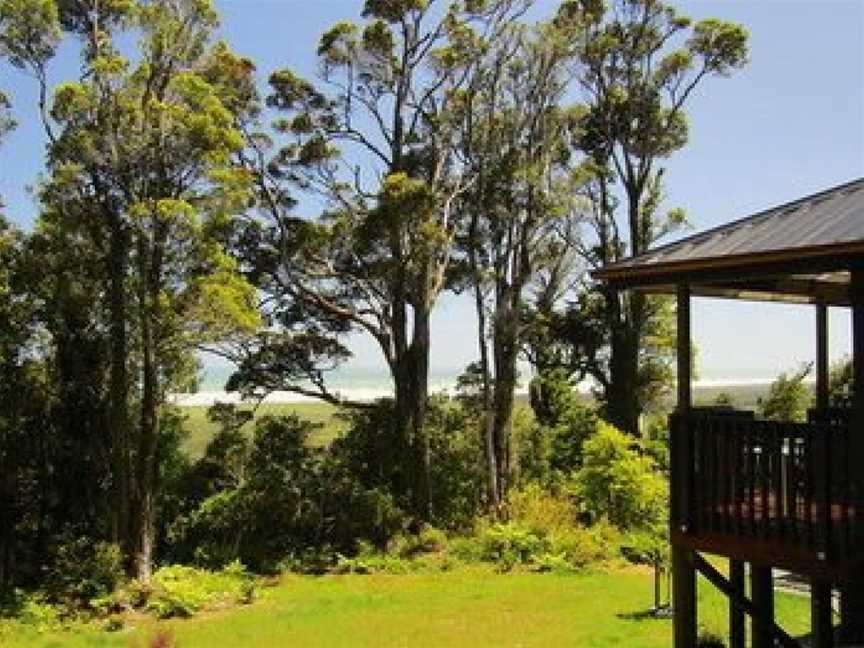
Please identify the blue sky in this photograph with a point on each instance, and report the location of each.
(790, 124)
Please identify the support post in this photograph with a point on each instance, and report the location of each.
(762, 593)
(821, 358)
(683, 564)
(821, 624)
(852, 592)
(737, 633)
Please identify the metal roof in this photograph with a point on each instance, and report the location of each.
(823, 231)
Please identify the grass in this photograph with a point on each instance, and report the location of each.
(465, 607)
(200, 430)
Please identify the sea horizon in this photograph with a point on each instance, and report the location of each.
(372, 384)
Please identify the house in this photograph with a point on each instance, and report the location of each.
(772, 494)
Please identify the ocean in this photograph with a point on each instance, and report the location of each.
(365, 384)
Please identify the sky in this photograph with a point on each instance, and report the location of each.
(790, 124)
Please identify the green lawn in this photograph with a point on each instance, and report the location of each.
(468, 607)
(200, 430)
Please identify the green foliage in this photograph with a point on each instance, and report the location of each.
(510, 544)
(617, 482)
(29, 32)
(841, 383)
(655, 441)
(81, 572)
(563, 423)
(428, 540)
(788, 397)
(179, 591)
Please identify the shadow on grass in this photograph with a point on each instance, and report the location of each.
(651, 614)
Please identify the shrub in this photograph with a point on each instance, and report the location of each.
(553, 562)
(374, 564)
(428, 540)
(616, 482)
(37, 613)
(583, 546)
(540, 510)
(510, 544)
(83, 572)
(468, 549)
(180, 591)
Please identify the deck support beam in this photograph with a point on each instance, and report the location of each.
(821, 623)
(762, 593)
(683, 559)
(737, 629)
(852, 594)
(821, 357)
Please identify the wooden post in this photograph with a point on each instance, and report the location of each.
(821, 624)
(852, 593)
(821, 358)
(762, 593)
(737, 634)
(683, 567)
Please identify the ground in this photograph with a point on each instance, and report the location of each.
(466, 607)
(200, 430)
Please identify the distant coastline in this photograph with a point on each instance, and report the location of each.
(208, 397)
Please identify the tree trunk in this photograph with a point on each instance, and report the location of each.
(119, 383)
(488, 433)
(505, 351)
(622, 394)
(143, 522)
(419, 390)
(7, 520)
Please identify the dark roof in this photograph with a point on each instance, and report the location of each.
(807, 238)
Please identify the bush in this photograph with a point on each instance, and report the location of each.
(374, 564)
(83, 572)
(584, 546)
(552, 562)
(510, 544)
(542, 511)
(33, 611)
(179, 591)
(618, 483)
(428, 540)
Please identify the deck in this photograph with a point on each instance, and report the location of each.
(784, 494)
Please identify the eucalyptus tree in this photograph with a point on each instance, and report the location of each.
(379, 257)
(641, 63)
(140, 161)
(517, 134)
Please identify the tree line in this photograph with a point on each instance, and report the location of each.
(462, 147)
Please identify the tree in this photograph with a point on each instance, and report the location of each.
(142, 163)
(637, 78)
(516, 142)
(377, 260)
(788, 397)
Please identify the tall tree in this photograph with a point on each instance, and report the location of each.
(378, 260)
(142, 158)
(642, 61)
(517, 135)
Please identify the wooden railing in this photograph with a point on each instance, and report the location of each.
(787, 483)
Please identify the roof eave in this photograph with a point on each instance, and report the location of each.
(822, 258)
